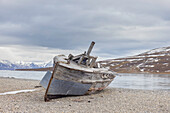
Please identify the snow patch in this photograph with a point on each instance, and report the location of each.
(112, 64)
(19, 91)
(142, 70)
(167, 71)
(158, 50)
(104, 63)
(149, 65)
(166, 64)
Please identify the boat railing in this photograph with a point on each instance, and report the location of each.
(85, 58)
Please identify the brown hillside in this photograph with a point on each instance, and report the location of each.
(154, 61)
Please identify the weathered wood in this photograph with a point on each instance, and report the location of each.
(81, 59)
(64, 73)
(62, 87)
(88, 61)
(77, 57)
(65, 81)
(70, 56)
(45, 80)
(92, 63)
(45, 96)
(90, 48)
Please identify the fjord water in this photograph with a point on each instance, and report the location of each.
(142, 81)
(34, 75)
(130, 81)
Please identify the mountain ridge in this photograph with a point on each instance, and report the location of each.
(153, 61)
(7, 65)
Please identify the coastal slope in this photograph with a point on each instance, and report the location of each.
(153, 61)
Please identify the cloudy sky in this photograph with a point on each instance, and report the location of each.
(37, 30)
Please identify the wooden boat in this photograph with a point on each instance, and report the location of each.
(76, 75)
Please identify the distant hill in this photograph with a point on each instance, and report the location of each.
(153, 61)
(7, 65)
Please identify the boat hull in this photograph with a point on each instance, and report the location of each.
(62, 87)
(68, 81)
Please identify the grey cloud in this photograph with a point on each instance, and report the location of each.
(116, 26)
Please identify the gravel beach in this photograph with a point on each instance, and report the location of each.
(111, 100)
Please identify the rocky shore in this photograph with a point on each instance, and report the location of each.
(108, 101)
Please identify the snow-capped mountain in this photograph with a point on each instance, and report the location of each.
(49, 64)
(7, 65)
(153, 61)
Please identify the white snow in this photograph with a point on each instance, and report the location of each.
(47, 64)
(19, 91)
(120, 60)
(141, 64)
(155, 55)
(165, 64)
(158, 50)
(149, 65)
(142, 70)
(112, 64)
(6, 62)
(138, 59)
(104, 63)
(167, 71)
(21, 64)
(156, 60)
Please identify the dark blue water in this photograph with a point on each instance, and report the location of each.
(130, 81)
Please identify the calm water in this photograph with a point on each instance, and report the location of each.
(142, 81)
(35, 75)
(130, 81)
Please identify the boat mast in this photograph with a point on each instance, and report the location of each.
(90, 48)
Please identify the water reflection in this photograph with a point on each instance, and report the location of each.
(142, 81)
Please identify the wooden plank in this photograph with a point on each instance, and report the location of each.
(45, 96)
(92, 62)
(62, 87)
(88, 61)
(81, 59)
(45, 80)
(63, 73)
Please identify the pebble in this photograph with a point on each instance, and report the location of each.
(109, 100)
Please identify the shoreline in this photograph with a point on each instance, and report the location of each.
(19, 78)
(110, 87)
(50, 68)
(108, 100)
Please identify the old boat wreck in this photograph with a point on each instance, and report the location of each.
(76, 75)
